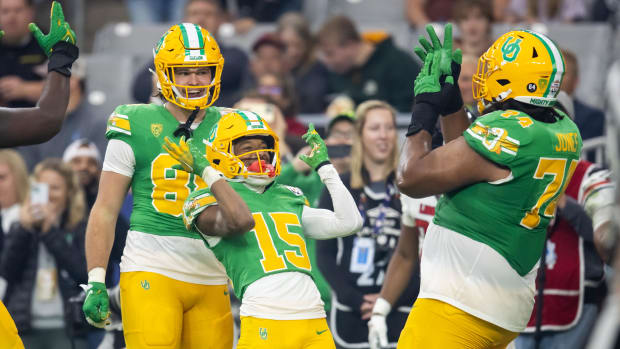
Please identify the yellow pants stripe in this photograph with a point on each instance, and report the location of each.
(284, 334)
(8, 332)
(163, 313)
(433, 324)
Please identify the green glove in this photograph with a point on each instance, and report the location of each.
(318, 156)
(449, 67)
(427, 91)
(96, 304)
(447, 56)
(192, 159)
(427, 81)
(59, 30)
(1, 33)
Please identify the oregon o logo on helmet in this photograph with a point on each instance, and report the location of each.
(510, 50)
(531, 87)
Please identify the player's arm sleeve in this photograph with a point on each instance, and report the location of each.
(119, 158)
(496, 138)
(597, 196)
(324, 224)
(407, 216)
(195, 203)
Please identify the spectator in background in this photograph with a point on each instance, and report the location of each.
(355, 266)
(300, 60)
(83, 120)
(43, 258)
(22, 68)
(267, 57)
(13, 190)
(535, 11)
(85, 160)
(210, 15)
(474, 20)
(589, 120)
(366, 70)
(468, 69)
(422, 12)
(282, 90)
(155, 11)
(339, 139)
(247, 13)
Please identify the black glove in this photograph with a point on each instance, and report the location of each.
(62, 57)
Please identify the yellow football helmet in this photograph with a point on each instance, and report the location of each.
(522, 65)
(190, 46)
(231, 128)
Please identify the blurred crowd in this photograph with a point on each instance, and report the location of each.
(354, 82)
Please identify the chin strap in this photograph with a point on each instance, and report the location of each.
(185, 129)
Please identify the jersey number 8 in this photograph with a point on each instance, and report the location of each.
(171, 187)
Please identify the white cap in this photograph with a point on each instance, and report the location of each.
(81, 147)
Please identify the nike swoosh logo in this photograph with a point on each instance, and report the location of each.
(320, 332)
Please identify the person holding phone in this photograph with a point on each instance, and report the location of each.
(43, 256)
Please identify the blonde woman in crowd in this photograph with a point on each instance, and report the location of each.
(355, 265)
(13, 188)
(43, 257)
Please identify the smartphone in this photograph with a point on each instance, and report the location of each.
(39, 193)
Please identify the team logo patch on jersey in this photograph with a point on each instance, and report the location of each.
(262, 332)
(156, 129)
(295, 190)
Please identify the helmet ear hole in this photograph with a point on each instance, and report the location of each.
(534, 53)
(216, 161)
(503, 82)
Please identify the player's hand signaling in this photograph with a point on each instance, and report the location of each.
(318, 155)
(59, 43)
(436, 89)
(59, 30)
(192, 158)
(449, 67)
(96, 306)
(377, 327)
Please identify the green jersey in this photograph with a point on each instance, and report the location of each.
(511, 215)
(276, 244)
(159, 191)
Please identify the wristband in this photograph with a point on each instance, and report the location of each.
(326, 162)
(96, 275)
(382, 307)
(423, 117)
(211, 175)
(62, 57)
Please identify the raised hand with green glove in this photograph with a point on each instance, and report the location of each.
(318, 155)
(192, 159)
(449, 67)
(96, 306)
(59, 43)
(427, 90)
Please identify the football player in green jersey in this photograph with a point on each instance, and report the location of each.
(24, 126)
(173, 290)
(500, 178)
(269, 264)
